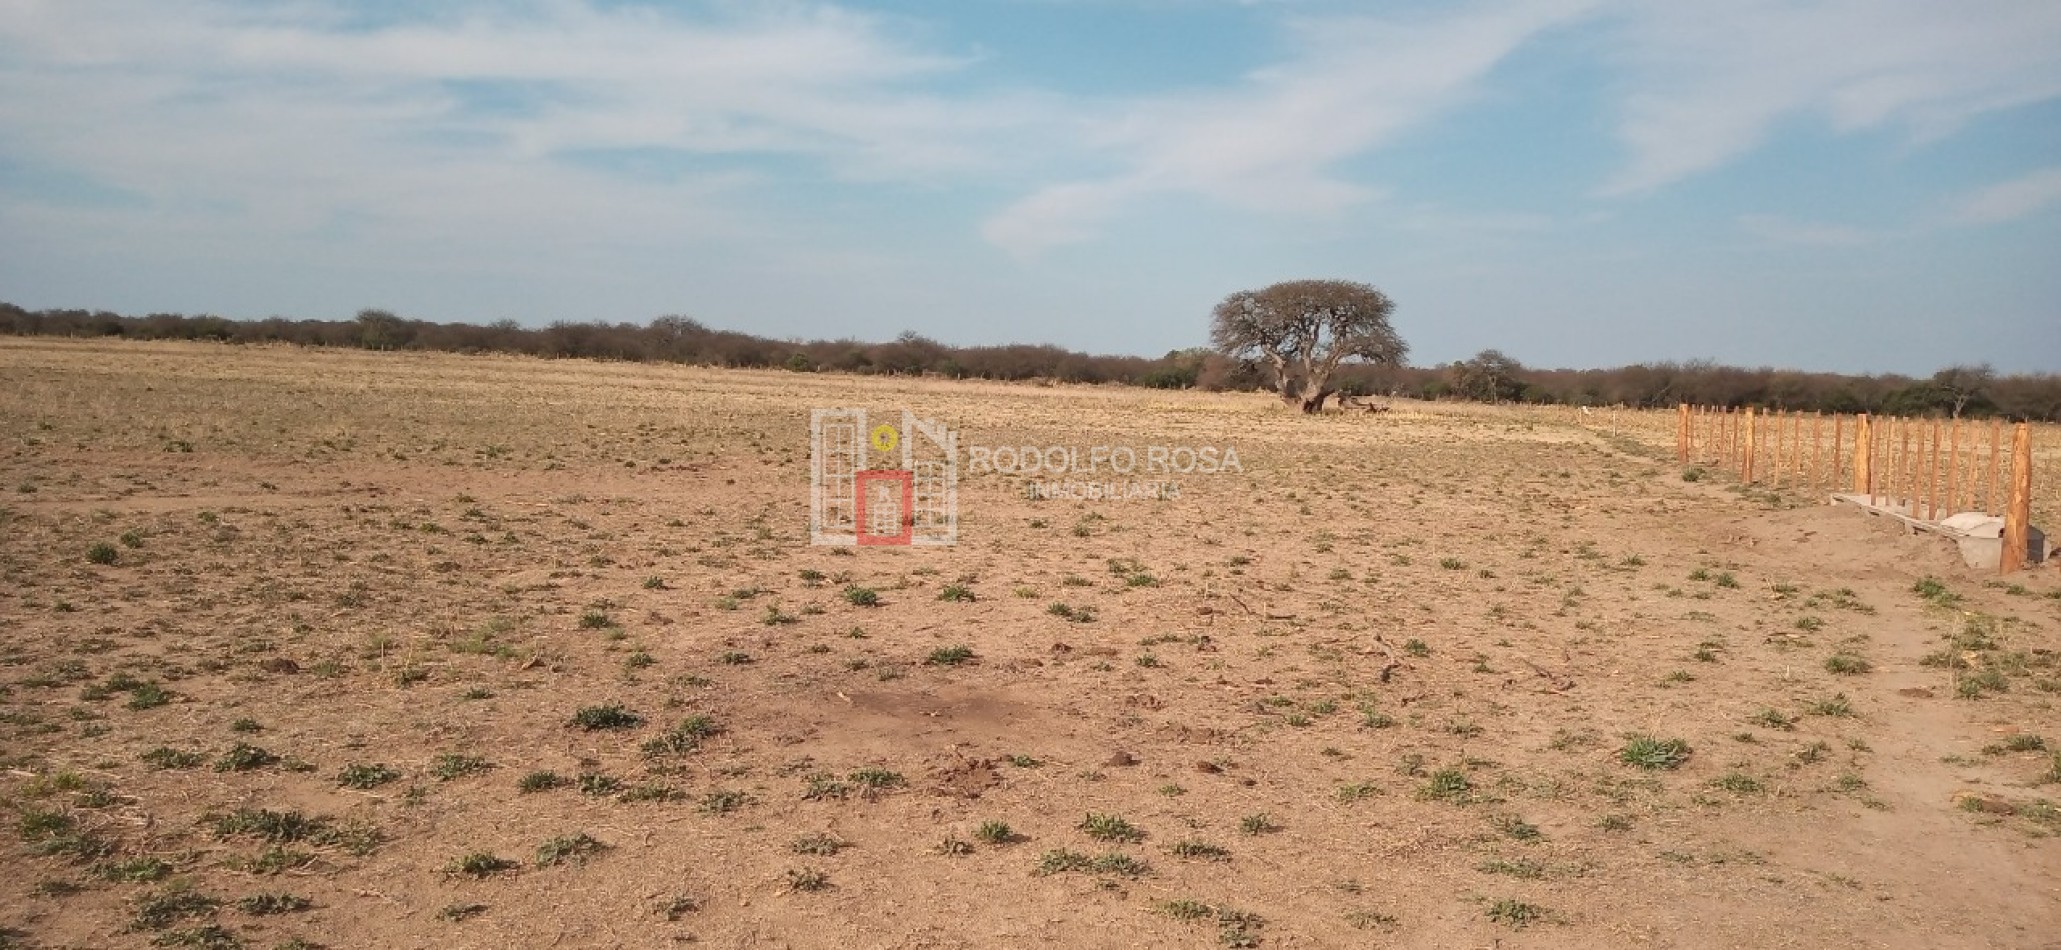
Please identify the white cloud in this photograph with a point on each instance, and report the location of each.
(1710, 82)
(1271, 142)
(283, 117)
(1059, 214)
(534, 123)
(2011, 200)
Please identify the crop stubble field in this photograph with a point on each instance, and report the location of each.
(391, 650)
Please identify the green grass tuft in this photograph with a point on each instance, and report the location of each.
(478, 864)
(1110, 828)
(598, 718)
(365, 776)
(1647, 752)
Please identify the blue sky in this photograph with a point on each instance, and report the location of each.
(1855, 185)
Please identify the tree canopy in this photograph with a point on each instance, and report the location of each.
(1304, 329)
(1488, 377)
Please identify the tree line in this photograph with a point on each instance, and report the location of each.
(1973, 391)
(1488, 377)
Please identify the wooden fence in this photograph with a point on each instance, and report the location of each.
(1923, 470)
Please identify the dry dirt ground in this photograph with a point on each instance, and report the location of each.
(343, 649)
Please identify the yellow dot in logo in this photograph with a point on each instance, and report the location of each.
(885, 438)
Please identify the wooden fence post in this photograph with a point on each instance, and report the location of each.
(1906, 470)
(1917, 491)
(1953, 485)
(1795, 466)
(1774, 424)
(1682, 433)
(1721, 441)
(1817, 447)
(1894, 442)
(1914, 431)
(1786, 459)
(1838, 434)
(1989, 489)
(1717, 435)
(1731, 440)
(1863, 457)
(2018, 513)
(1746, 462)
(1932, 477)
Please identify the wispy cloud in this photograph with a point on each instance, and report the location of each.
(1271, 142)
(1782, 230)
(2010, 200)
(475, 122)
(1708, 84)
(291, 114)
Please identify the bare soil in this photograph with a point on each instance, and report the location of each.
(1379, 688)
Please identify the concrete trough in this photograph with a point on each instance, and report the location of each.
(1980, 536)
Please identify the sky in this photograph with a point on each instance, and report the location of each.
(1847, 185)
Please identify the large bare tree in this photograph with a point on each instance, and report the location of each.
(1304, 329)
(1963, 384)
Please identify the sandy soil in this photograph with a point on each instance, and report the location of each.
(285, 635)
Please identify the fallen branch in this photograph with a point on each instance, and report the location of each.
(1561, 683)
(1248, 609)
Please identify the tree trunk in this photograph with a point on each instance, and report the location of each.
(1305, 396)
(1315, 387)
(1284, 382)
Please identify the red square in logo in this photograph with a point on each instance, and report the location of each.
(885, 497)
